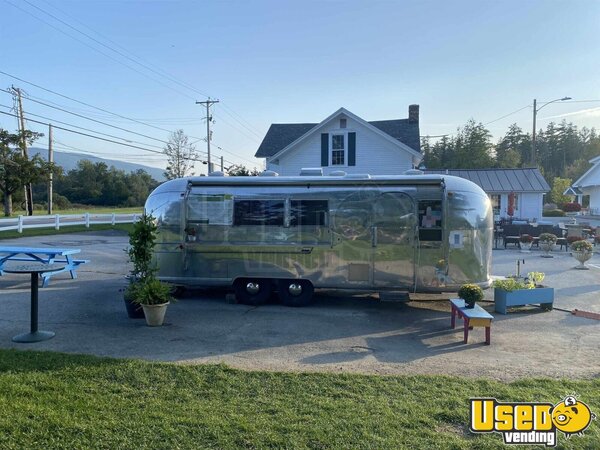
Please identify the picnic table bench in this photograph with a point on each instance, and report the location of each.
(45, 256)
(472, 317)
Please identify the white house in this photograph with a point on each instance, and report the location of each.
(344, 141)
(588, 184)
(527, 186)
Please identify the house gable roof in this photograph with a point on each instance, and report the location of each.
(280, 136)
(527, 180)
(581, 181)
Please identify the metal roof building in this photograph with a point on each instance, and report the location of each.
(528, 185)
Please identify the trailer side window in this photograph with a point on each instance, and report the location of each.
(308, 212)
(430, 220)
(258, 212)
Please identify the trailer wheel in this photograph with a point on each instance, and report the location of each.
(251, 291)
(295, 292)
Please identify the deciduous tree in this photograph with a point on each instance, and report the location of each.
(181, 156)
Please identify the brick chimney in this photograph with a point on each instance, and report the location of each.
(413, 113)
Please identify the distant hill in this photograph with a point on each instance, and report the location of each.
(69, 161)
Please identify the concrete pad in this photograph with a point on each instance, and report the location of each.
(338, 333)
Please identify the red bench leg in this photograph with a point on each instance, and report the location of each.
(453, 320)
(466, 332)
(488, 335)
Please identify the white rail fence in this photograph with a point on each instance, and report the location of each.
(57, 221)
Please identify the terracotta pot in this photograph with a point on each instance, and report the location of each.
(155, 314)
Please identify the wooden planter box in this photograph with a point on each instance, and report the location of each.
(521, 297)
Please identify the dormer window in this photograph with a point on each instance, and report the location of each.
(343, 123)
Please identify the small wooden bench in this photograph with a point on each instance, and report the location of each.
(472, 317)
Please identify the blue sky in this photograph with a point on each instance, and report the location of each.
(280, 61)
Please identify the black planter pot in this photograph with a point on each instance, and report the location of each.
(134, 310)
(470, 304)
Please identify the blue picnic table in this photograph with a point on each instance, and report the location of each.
(42, 255)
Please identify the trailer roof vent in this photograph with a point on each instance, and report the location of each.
(338, 173)
(216, 173)
(413, 172)
(311, 172)
(268, 173)
(358, 176)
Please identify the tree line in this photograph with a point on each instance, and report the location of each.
(88, 184)
(561, 149)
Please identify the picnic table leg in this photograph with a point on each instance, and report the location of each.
(466, 329)
(488, 335)
(453, 319)
(71, 267)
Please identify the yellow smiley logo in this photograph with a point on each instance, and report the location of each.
(571, 416)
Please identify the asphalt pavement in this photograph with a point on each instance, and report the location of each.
(338, 333)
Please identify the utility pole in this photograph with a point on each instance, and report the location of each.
(50, 160)
(28, 192)
(208, 103)
(222, 163)
(533, 133)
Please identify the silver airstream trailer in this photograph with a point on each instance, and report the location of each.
(417, 233)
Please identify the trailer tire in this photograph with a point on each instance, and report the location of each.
(246, 294)
(288, 298)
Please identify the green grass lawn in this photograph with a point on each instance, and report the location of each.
(52, 400)
(12, 234)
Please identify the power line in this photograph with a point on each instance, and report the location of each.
(101, 109)
(94, 120)
(96, 49)
(87, 129)
(137, 60)
(509, 114)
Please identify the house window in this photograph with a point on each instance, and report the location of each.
(495, 200)
(338, 149)
(342, 123)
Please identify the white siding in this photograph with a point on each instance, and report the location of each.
(374, 154)
(530, 206)
(594, 193)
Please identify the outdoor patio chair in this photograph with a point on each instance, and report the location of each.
(512, 233)
(561, 235)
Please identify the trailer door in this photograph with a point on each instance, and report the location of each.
(393, 238)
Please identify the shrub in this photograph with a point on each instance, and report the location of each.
(550, 206)
(571, 207)
(60, 201)
(548, 237)
(536, 277)
(581, 246)
(512, 284)
(553, 213)
(526, 239)
(152, 292)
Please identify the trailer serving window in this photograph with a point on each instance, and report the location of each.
(258, 212)
(430, 220)
(308, 212)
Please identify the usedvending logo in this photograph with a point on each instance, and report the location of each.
(530, 423)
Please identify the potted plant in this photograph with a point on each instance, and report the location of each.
(154, 296)
(142, 239)
(582, 250)
(547, 241)
(190, 233)
(514, 291)
(144, 288)
(471, 294)
(525, 243)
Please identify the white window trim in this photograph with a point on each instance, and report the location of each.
(338, 133)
